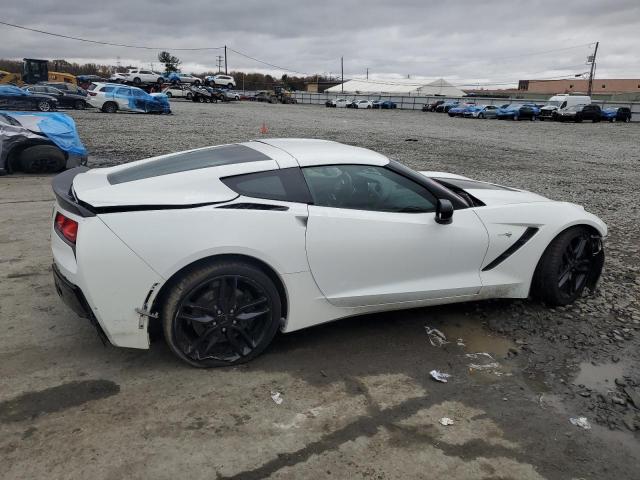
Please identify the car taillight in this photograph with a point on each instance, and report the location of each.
(66, 227)
(93, 94)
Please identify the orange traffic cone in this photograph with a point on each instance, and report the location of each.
(264, 129)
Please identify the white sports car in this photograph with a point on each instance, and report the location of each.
(226, 245)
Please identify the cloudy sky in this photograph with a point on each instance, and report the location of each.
(467, 42)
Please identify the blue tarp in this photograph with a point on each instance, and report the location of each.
(12, 90)
(58, 127)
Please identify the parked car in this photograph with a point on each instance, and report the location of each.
(264, 97)
(14, 98)
(66, 87)
(578, 113)
(139, 76)
(178, 91)
(384, 104)
(35, 142)
(194, 267)
(616, 114)
(65, 99)
(446, 106)
(337, 103)
(111, 97)
(458, 111)
(220, 80)
(362, 104)
(481, 111)
(117, 77)
(431, 107)
(517, 111)
(202, 94)
(177, 77)
(558, 102)
(228, 94)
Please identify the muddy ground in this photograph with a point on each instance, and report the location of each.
(358, 398)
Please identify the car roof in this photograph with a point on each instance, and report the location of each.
(309, 152)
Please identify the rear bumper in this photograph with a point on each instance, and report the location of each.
(73, 297)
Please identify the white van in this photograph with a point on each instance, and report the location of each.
(558, 102)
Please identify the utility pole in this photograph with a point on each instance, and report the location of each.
(342, 70)
(592, 59)
(225, 60)
(367, 73)
(219, 63)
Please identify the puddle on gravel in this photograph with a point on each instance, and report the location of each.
(599, 377)
(475, 337)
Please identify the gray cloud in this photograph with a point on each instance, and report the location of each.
(464, 41)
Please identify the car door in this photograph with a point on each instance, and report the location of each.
(124, 98)
(58, 95)
(372, 239)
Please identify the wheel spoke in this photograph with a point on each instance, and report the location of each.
(246, 337)
(235, 344)
(195, 347)
(247, 317)
(195, 306)
(579, 250)
(253, 304)
(196, 318)
(582, 266)
(566, 275)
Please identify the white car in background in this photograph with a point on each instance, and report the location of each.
(178, 91)
(363, 104)
(223, 246)
(112, 97)
(340, 103)
(186, 78)
(139, 76)
(221, 81)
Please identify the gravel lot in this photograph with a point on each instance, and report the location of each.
(359, 402)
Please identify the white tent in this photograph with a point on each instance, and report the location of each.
(398, 87)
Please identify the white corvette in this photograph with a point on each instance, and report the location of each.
(226, 245)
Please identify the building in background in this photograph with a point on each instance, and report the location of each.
(402, 87)
(600, 86)
(319, 86)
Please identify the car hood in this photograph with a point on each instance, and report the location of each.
(487, 193)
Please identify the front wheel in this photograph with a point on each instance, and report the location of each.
(110, 107)
(481, 115)
(189, 96)
(42, 159)
(565, 268)
(44, 106)
(221, 314)
(80, 105)
(137, 81)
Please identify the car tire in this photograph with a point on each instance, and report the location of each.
(80, 105)
(201, 99)
(168, 94)
(160, 81)
(627, 119)
(189, 96)
(110, 107)
(197, 83)
(481, 115)
(229, 86)
(137, 80)
(221, 314)
(568, 258)
(44, 106)
(42, 159)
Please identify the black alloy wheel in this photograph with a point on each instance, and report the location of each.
(226, 315)
(575, 265)
(569, 263)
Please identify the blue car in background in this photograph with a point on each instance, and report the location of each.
(446, 106)
(518, 111)
(111, 97)
(384, 104)
(616, 114)
(460, 110)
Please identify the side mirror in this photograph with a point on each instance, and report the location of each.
(444, 212)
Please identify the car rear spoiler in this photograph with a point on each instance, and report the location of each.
(62, 185)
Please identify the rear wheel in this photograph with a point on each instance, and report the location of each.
(42, 159)
(565, 267)
(201, 99)
(189, 96)
(481, 115)
(80, 105)
(137, 81)
(110, 107)
(168, 94)
(221, 314)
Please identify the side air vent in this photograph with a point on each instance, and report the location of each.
(255, 206)
(526, 236)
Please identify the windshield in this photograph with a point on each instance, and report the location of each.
(574, 108)
(10, 120)
(554, 103)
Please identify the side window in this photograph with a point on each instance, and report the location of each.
(365, 187)
(286, 185)
(125, 92)
(138, 93)
(564, 104)
(107, 89)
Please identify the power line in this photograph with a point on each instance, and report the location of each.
(106, 43)
(269, 64)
